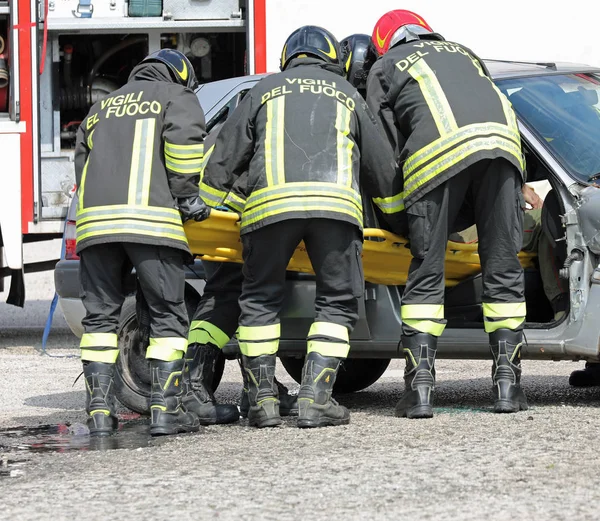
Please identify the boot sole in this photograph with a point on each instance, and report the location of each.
(312, 424)
(418, 412)
(507, 407)
(269, 422)
(167, 431)
(218, 421)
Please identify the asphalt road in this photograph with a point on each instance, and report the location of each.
(465, 463)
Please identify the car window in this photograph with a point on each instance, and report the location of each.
(219, 118)
(564, 112)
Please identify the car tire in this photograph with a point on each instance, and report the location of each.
(132, 375)
(355, 374)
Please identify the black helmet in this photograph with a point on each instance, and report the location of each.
(312, 41)
(178, 64)
(355, 49)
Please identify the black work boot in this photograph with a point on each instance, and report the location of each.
(419, 376)
(102, 420)
(263, 402)
(169, 416)
(316, 407)
(288, 403)
(505, 345)
(198, 397)
(587, 377)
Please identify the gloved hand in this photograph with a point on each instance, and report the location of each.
(193, 208)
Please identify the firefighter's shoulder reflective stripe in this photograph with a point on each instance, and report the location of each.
(211, 196)
(133, 227)
(235, 201)
(427, 318)
(118, 211)
(274, 149)
(344, 145)
(458, 154)
(449, 141)
(389, 205)
(434, 97)
(203, 332)
(503, 315)
(141, 161)
(167, 349)
(259, 340)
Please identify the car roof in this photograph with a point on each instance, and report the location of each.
(501, 69)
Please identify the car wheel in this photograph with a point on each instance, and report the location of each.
(355, 374)
(132, 375)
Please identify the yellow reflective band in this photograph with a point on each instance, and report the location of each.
(329, 329)
(426, 326)
(337, 349)
(259, 348)
(302, 204)
(205, 160)
(504, 309)
(107, 356)
(422, 311)
(118, 211)
(458, 154)
(180, 166)
(390, 205)
(141, 161)
(81, 188)
(274, 132)
(90, 143)
(434, 97)
(195, 151)
(99, 340)
(269, 332)
(167, 349)
(133, 231)
(202, 328)
(271, 193)
(344, 145)
(507, 323)
(235, 202)
(212, 195)
(133, 226)
(449, 141)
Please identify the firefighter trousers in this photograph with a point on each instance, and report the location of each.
(217, 315)
(334, 248)
(494, 187)
(161, 277)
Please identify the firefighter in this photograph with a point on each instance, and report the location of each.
(455, 136)
(355, 51)
(138, 159)
(304, 136)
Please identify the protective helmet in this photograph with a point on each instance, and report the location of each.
(181, 69)
(397, 26)
(354, 55)
(311, 41)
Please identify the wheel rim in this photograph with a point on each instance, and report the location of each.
(132, 362)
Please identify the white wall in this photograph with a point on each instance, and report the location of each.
(523, 30)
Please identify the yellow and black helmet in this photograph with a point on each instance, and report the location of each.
(355, 52)
(179, 66)
(312, 41)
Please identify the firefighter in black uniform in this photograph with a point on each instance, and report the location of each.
(138, 160)
(455, 136)
(303, 136)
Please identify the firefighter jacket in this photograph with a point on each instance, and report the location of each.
(441, 112)
(138, 151)
(307, 140)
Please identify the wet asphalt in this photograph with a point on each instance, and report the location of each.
(465, 463)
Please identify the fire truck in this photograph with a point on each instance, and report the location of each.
(57, 58)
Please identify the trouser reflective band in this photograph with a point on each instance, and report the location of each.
(503, 315)
(99, 347)
(167, 349)
(259, 340)
(203, 332)
(426, 318)
(328, 339)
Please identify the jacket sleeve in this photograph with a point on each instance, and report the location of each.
(378, 173)
(183, 136)
(377, 100)
(81, 153)
(231, 155)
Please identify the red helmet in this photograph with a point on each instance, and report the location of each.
(393, 27)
